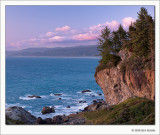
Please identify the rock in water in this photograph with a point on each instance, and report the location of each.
(19, 114)
(57, 94)
(34, 96)
(48, 110)
(84, 91)
(82, 101)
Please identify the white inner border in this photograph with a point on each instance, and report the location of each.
(74, 129)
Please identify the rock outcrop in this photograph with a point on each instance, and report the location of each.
(118, 86)
(34, 96)
(48, 109)
(84, 91)
(72, 119)
(96, 106)
(19, 114)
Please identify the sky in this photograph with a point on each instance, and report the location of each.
(64, 26)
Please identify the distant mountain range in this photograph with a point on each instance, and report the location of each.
(77, 51)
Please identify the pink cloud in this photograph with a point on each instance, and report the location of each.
(32, 39)
(96, 27)
(127, 21)
(55, 38)
(64, 33)
(65, 28)
(49, 34)
(16, 44)
(86, 36)
(112, 25)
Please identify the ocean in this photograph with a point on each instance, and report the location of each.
(46, 76)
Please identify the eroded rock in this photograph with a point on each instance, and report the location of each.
(47, 110)
(34, 96)
(20, 114)
(84, 91)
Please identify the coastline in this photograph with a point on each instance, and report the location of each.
(123, 114)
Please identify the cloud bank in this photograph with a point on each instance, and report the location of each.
(64, 35)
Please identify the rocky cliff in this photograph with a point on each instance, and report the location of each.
(118, 86)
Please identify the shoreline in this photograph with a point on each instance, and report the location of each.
(129, 112)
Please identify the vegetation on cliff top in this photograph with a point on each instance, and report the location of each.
(131, 111)
(139, 41)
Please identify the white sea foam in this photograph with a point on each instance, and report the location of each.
(62, 110)
(29, 111)
(56, 95)
(27, 98)
(51, 94)
(15, 104)
(79, 92)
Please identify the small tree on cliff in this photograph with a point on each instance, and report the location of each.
(105, 45)
(119, 37)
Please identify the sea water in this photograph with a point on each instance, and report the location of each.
(46, 76)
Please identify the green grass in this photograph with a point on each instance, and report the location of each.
(132, 111)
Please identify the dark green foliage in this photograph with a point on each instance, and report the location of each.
(105, 45)
(100, 67)
(133, 63)
(131, 111)
(119, 37)
(141, 34)
(110, 44)
(113, 60)
(139, 41)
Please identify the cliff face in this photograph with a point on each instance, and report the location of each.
(117, 86)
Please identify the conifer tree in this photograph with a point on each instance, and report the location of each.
(140, 40)
(119, 37)
(152, 41)
(105, 45)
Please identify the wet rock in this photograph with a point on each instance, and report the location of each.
(100, 100)
(40, 121)
(34, 96)
(68, 107)
(20, 114)
(84, 91)
(83, 101)
(57, 119)
(47, 110)
(66, 119)
(94, 101)
(48, 121)
(57, 94)
(59, 98)
(100, 94)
